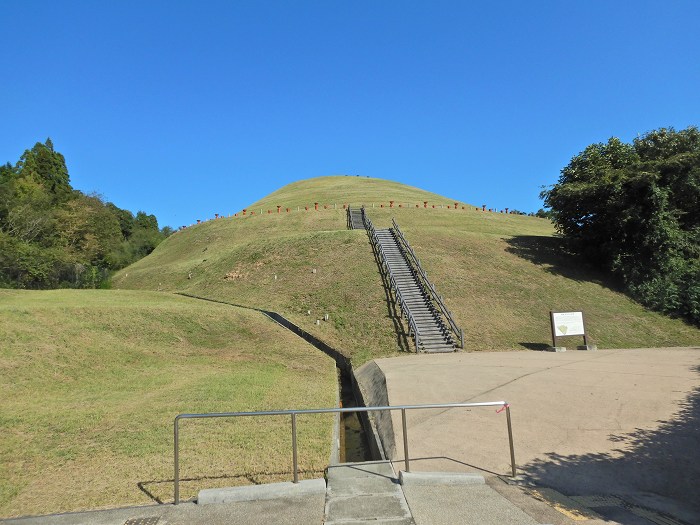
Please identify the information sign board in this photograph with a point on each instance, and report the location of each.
(568, 323)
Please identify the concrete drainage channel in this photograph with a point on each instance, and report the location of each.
(362, 485)
(357, 438)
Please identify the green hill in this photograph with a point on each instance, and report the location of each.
(345, 189)
(499, 274)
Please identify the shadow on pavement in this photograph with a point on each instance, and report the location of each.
(663, 461)
(535, 346)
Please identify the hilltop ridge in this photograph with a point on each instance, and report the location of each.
(346, 189)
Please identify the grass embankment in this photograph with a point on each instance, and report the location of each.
(500, 274)
(91, 382)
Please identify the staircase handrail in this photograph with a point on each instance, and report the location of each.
(429, 286)
(386, 269)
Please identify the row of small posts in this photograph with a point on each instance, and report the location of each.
(392, 204)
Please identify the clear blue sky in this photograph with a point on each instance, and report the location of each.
(186, 109)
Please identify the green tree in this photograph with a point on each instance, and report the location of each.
(47, 167)
(145, 221)
(52, 235)
(87, 227)
(634, 210)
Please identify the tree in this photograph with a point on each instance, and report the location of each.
(47, 167)
(634, 209)
(52, 235)
(147, 222)
(87, 227)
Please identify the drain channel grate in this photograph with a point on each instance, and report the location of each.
(153, 520)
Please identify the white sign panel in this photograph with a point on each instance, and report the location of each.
(568, 323)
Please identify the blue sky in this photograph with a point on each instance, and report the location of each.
(186, 109)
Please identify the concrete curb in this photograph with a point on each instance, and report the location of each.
(418, 479)
(287, 489)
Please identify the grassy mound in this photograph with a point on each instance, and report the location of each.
(346, 189)
(500, 274)
(93, 379)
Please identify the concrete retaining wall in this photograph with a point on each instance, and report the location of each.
(372, 391)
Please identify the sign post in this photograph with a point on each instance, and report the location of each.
(566, 324)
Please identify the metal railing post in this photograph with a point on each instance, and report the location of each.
(405, 440)
(293, 413)
(294, 448)
(177, 462)
(510, 441)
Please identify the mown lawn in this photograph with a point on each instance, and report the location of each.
(91, 382)
(500, 274)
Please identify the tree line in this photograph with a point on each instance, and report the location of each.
(634, 209)
(54, 236)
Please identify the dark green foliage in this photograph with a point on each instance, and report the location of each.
(47, 167)
(634, 209)
(54, 236)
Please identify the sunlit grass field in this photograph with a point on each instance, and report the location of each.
(500, 274)
(91, 382)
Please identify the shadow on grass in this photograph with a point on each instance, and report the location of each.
(146, 487)
(663, 461)
(552, 254)
(535, 346)
(341, 360)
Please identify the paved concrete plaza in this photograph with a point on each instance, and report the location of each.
(585, 422)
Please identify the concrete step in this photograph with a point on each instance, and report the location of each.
(365, 493)
(449, 498)
(435, 340)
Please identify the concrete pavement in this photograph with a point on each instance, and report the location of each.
(283, 511)
(365, 493)
(619, 422)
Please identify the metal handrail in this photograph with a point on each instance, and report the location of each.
(295, 413)
(412, 327)
(428, 285)
(374, 239)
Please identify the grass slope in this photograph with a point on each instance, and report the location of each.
(91, 382)
(346, 189)
(500, 274)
